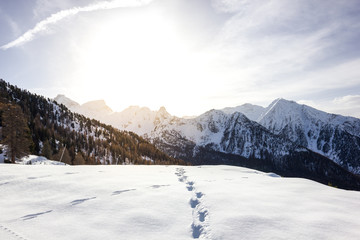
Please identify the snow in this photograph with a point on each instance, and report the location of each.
(282, 112)
(170, 202)
(94, 109)
(62, 99)
(38, 160)
(300, 124)
(288, 117)
(253, 112)
(29, 160)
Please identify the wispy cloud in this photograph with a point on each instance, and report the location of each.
(290, 49)
(56, 17)
(348, 105)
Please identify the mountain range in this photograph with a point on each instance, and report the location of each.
(333, 136)
(285, 137)
(58, 133)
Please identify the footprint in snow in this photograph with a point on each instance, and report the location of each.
(194, 202)
(183, 178)
(122, 191)
(196, 230)
(79, 201)
(4, 183)
(199, 194)
(12, 232)
(69, 173)
(159, 186)
(202, 215)
(39, 177)
(31, 216)
(190, 186)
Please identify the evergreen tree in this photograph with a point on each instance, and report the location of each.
(46, 150)
(79, 159)
(16, 133)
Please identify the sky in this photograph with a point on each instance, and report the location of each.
(187, 55)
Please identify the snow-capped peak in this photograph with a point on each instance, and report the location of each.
(97, 105)
(251, 111)
(163, 113)
(62, 99)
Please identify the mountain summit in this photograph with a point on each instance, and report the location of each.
(334, 136)
(287, 138)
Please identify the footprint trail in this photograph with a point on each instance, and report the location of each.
(200, 226)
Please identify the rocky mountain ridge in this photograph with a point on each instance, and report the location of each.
(227, 137)
(333, 136)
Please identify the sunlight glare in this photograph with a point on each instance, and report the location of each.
(142, 54)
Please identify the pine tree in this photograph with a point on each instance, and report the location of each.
(79, 159)
(16, 133)
(46, 150)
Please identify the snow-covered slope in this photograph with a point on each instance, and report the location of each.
(38, 160)
(62, 99)
(56, 131)
(170, 202)
(95, 109)
(139, 120)
(97, 105)
(229, 131)
(331, 135)
(28, 160)
(252, 112)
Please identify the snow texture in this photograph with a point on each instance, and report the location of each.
(170, 202)
(253, 112)
(38, 160)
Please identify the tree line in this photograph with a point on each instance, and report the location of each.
(37, 125)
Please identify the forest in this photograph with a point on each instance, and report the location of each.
(33, 124)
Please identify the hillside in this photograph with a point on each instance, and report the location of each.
(170, 202)
(229, 137)
(87, 141)
(334, 136)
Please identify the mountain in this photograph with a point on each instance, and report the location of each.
(71, 104)
(217, 137)
(98, 105)
(334, 136)
(253, 112)
(94, 109)
(85, 141)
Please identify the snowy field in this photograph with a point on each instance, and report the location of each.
(169, 202)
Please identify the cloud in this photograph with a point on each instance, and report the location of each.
(56, 17)
(15, 30)
(289, 48)
(348, 105)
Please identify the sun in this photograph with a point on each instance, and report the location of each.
(144, 55)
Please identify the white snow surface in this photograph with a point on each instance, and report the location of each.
(69, 103)
(38, 160)
(253, 112)
(170, 202)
